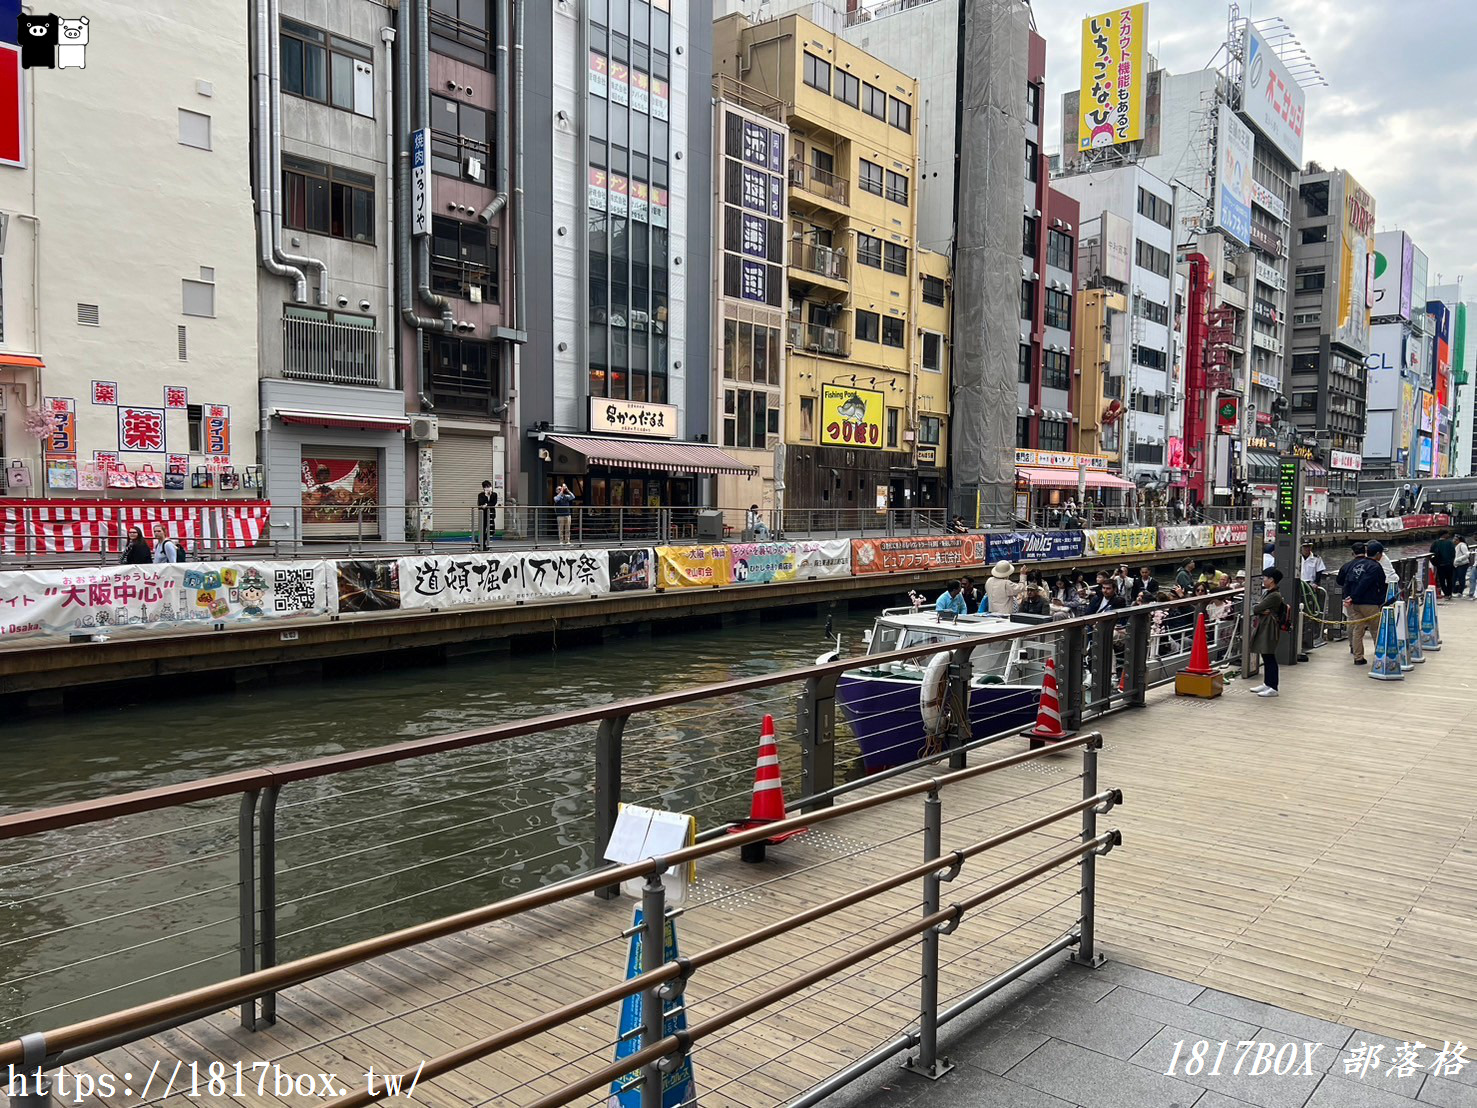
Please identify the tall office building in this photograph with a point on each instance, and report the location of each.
(1401, 413)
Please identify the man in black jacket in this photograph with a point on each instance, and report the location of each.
(1443, 556)
(1363, 585)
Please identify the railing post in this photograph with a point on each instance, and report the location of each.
(246, 885)
(928, 1062)
(653, 1007)
(815, 725)
(1101, 693)
(1086, 953)
(960, 727)
(1136, 684)
(607, 789)
(267, 868)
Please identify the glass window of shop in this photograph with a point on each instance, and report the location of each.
(629, 116)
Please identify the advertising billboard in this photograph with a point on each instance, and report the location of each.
(851, 417)
(1117, 247)
(1355, 254)
(1111, 106)
(1233, 177)
(1394, 259)
(1270, 99)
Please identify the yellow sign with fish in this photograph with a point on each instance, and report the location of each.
(851, 417)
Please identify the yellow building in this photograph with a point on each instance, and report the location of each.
(866, 379)
(1097, 398)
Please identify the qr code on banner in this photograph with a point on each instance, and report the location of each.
(295, 590)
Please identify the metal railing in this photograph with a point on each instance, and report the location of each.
(816, 339)
(457, 277)
(825, 261)
(819, 182)
(331, 353)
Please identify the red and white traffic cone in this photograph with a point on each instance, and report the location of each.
(1049, 715)
(1200, 651)
(768, 802)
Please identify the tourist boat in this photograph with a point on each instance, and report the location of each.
(891, 705)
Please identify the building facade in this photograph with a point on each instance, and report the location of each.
(866, 372)
(150, 361)
(1401, 413)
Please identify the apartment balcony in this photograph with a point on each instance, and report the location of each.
(464, 280)
(809, 182)
(825, 267)
(832, 342)
(330, 353)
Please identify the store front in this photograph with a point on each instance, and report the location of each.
(1048, 481)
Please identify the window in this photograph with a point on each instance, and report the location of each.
(194, 130)
(933, 351)
(463, 258)
(1059, 309)
(868, 326)
(1308, 280)
(897, 187)
(182, 342)
(869, 250)
(1028, 236)
(1150, 358)
(459, 29)
(896, 259)
(198, 298)
(747, 418)
(1305, 401)
(817, 73)
(340, 348)
(194, 417)
(1148, 453)
(1033, 103)
(458, 132)
(1023, 432)
(930, 427)
(1312, 235)
(1154, 313)
(807, 419)
(1151, 258)
(1023, 364)
(327, 200)
(899, 114)
(870, 177)
(1028, 300)
(848, 88)
(1053, 434)
(874, 101)
(463, 374)
(1056, 370)
(933, 291)
(892, 331)
(323, 67)
(750, 352)
(1033, 169)
(1059, 250)
(893, 418)
(1155, 207)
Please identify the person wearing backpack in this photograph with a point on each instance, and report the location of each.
(1272, 618)
(165, 548)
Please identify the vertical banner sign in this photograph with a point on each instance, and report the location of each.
(61, 427)
(1233, 181)
(216, 431)
(420, 183)
(678, 1087)
(599, 74)
(1111, 108)
(12, 107)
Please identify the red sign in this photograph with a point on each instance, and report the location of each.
(870, 556)
(105, 392)
(12, 107)
(1228, 414)
(141, 430)
(1410, 523)
(176, 396)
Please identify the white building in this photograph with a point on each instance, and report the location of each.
(134, 324)
(1140, 265)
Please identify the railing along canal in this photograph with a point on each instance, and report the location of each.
(173, 881)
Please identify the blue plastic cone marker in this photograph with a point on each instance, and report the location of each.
(678, 1087)
(1386, 652)
(1430, 635)
(1413, 631)
(1402, 637)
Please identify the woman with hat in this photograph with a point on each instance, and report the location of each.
(1001, 592)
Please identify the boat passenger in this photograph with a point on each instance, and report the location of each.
(1035, 604)
(1001, 593)
(951, 600)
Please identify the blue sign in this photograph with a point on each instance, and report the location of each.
(10, 11)
(677, 1087)
(1034, 546)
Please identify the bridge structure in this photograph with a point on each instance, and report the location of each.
(1300, 869)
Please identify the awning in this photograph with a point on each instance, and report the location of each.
(1262, 467)
(1313, 469)
(21, 361)
(1045, 477)
(666, 457)
(345, 420)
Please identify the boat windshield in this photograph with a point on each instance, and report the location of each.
(887, 637)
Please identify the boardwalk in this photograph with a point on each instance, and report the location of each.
(1318, 852)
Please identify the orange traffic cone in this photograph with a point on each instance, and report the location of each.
(1049, 716)
(1199, 678)
(1200, 651)
(768, 803)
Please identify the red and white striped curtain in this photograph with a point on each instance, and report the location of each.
(94, 526)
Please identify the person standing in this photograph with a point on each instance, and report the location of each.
(137, 552)
(165, 549)
(487, 502)
(1461, 565)
(1312, 567)
(1376, 551)
(1363, 584)
(1443, 555)
(1269, 614)
(1143, 583)
(1185, 578)
(971, 595)
(1001, 592)
(563, 498)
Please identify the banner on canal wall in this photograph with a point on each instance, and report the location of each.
(762, 563)
(1034, 546)
(54, 604)
(1123, 540)
(693, 567)
(870, 556)
(1187, 537)
(1230, 534)
(484, 580)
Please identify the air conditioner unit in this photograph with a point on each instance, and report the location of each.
(796, 334)
(830, 341)
(824, 259)
(475, 170)
(424, 428)
(797, 175)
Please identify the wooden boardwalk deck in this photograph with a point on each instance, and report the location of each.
(1318, 851)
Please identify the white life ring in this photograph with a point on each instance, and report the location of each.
(935, 692)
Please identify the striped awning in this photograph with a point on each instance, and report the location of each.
(664, 457)
(1046, 477)
(348, 421)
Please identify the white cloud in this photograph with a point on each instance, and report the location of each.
(1397, 112)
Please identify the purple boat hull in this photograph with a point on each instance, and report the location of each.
(885, 715)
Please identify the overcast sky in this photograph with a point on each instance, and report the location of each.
(1397, 114)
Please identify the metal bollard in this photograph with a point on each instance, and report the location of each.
(246, 893)
(815, 719)
(653, 1008)
(1086, 953)
(927, 1062)
(608, 743)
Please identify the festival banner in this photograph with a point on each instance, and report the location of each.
(762, 563)
(1123, 540)
(1410, 523)
(1034, 546)
(689, 567)
(1230, 534)
(631, 570)
(1188, 537)
(485, 580)
(869, 556)
(55, 604)
(823, 558)
(368, 586)
(91, 526)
